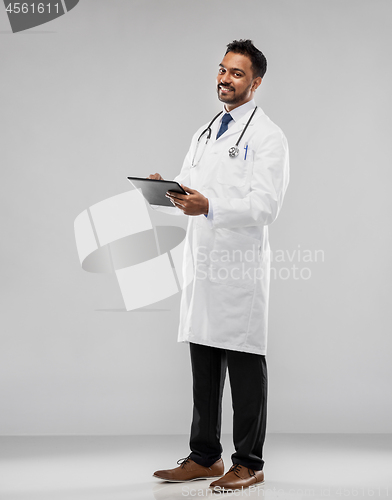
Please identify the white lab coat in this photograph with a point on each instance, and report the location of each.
(226, 303)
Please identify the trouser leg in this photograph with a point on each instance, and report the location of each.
(209, 371)
(248, 382)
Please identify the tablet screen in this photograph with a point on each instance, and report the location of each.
(154, 191)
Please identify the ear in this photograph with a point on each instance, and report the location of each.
(256, 83)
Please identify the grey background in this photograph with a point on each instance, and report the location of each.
(116, 88)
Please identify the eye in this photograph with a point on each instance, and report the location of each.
(221, 71)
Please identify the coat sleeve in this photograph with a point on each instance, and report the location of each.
(270, 177)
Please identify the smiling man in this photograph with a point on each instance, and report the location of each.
(235, 173)
(236, 82)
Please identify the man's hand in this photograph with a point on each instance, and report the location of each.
(193, 203)
(157, 177)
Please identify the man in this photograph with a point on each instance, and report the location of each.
(235, 174)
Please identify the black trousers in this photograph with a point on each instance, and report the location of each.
(248, 383)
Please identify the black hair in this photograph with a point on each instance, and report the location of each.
(246, 47)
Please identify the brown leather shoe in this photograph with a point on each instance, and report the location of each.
(190, 471)
(237, 478)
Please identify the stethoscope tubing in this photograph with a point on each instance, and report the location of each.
(209, 127)
(246, 126)
(233, 152)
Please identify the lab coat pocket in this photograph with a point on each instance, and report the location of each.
(235, 171)
(234, 259)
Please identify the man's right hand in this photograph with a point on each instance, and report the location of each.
(157, 177)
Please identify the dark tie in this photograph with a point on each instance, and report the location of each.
(226, 119)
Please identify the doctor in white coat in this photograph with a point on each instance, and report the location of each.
(235, 173)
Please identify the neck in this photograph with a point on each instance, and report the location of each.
(229, 107)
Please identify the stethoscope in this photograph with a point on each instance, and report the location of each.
(233, 151)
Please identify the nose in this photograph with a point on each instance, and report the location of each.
(225, 78)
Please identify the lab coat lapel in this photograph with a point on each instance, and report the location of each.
(233, 132)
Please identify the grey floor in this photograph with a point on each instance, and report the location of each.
(298, 466)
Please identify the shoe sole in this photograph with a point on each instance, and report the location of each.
(185, 480)
(222, 488)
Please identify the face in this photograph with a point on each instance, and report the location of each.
(235, 82)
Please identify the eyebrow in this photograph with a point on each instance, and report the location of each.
(233, 69)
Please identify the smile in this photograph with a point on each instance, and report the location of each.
(225, 90)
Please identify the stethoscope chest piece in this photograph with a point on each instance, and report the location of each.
(234, 152)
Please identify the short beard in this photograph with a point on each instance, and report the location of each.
(234, 99)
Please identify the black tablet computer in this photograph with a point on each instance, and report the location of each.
(154, 191)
